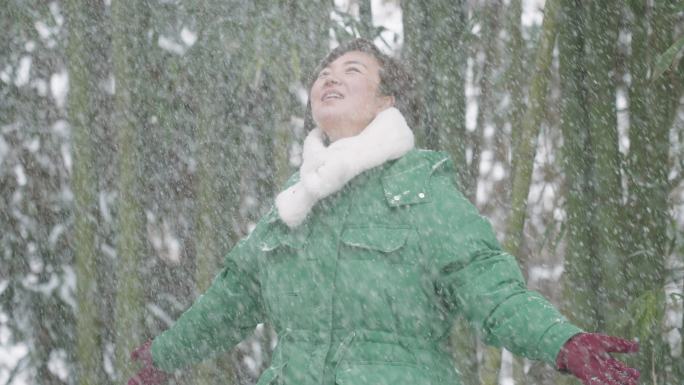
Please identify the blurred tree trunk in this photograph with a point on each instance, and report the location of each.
(526, 143)
(435, 48)
(487, 54)
(366, 19)
(592, 162)
(579, 283)
(415, 53)
(600, 63)
(652, 109)
(129, 20)
(529, 131)
(514, 78)
(509, 83)
(83, 85)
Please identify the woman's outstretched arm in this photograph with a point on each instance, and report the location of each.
(475, 278)
(220, 318)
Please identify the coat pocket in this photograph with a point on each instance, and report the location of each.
(381, 239)
(387, 244)
(382, 373)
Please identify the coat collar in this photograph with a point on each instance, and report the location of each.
(405, 182)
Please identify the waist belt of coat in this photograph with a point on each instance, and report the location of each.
(344, 339)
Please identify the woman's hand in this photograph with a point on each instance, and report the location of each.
(148, 375)
(586, 356)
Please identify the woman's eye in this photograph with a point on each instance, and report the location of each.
(322, 74)
(353, 69)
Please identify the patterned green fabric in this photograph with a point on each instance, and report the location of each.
(365, 290)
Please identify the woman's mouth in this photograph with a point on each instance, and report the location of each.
(331, 95)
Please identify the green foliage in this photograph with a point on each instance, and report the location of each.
(668, 59)
(642, 317)
(349, 27)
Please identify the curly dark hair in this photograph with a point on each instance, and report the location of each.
(395, 80)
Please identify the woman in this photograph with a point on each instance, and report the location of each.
(368, 255)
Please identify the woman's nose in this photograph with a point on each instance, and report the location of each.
(331, 80)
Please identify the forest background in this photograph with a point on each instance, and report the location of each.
(139, 140)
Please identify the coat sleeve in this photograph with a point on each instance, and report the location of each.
(475, 278)
(222, 316)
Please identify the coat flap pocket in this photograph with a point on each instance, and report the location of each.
(383, 239)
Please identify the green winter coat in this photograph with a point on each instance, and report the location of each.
(365, 290)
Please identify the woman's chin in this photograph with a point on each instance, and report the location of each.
(330, 120)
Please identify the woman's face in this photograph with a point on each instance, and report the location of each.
(345, 98)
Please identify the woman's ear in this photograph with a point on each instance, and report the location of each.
(387, 101)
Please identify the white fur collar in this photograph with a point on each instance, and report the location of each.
(325, 170)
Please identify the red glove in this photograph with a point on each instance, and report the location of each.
(585, 355)
(148, 375)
